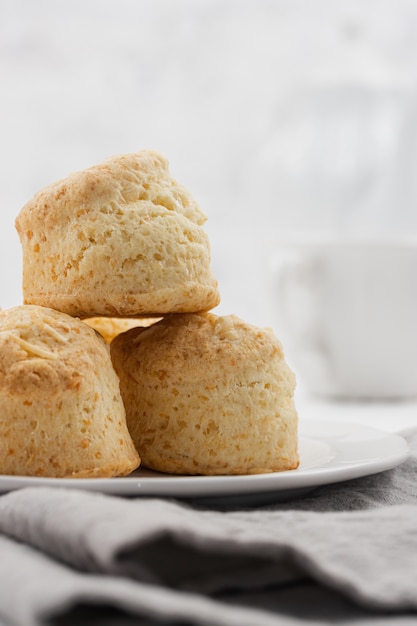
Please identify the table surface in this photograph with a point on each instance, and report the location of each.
(389, 416)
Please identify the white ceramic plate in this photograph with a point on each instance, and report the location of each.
(329, 453)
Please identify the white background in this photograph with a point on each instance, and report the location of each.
(280, 116)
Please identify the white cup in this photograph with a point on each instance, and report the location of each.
(346, 312)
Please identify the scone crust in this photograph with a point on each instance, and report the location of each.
(121, 238)
(208, 395)
(61, 413)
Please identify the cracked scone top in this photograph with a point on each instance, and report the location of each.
(61, 412)
(207, 395)
(121, 238)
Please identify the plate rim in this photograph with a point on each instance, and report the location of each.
(179, 486)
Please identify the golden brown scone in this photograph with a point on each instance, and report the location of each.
(61, 413)
(121, 238)
(110, 327)
(207, 395)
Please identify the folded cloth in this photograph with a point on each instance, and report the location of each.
(348, 553)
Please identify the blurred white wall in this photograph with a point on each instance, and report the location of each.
(279, 116)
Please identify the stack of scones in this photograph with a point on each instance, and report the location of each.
(115, 358)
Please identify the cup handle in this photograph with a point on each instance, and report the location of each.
(298, 304)
(297, 289)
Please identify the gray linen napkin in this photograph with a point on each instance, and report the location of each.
(347, 553)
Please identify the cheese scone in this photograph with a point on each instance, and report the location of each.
(206, 394)
(61, 413)
(120, 239)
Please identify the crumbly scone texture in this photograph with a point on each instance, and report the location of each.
(121, 238)
(110, 327)
(207, 394)
(61, 412)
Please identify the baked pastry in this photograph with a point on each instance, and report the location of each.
(207, 395)
(61, 413)
(110, 327)
(121, 238)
